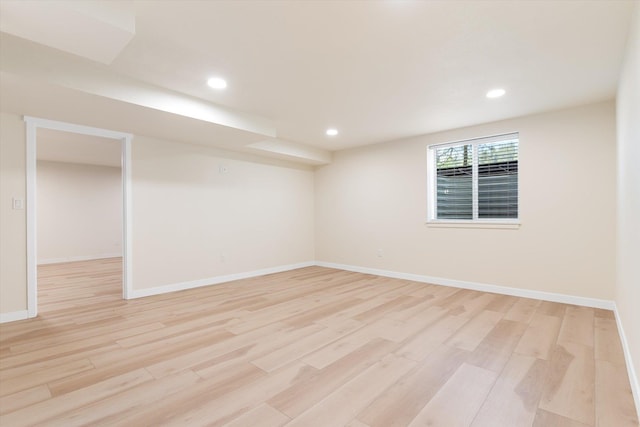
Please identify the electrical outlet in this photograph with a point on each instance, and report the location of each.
(380, 253)
(223, 169)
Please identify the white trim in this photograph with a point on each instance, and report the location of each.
(127, 212)
(475, 209)
(495, 137)
(77, 258)
(33, 123)
(431, 184)
(32, 248)
(174, 287)
(73, 128)
(14, 316)
(504, 290)
(442, 223)
(633, 375)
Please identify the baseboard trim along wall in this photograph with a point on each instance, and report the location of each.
(77, 258)
(496, 289)
(14, 316)
(631, 371)
(139, 293)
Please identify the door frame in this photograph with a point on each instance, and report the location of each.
(32, 126)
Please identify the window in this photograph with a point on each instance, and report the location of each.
(474, 180)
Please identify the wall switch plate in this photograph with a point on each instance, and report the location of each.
(17, 203)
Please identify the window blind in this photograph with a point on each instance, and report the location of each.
(476, 179)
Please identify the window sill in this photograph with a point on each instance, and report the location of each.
(511, 225)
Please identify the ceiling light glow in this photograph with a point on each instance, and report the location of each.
(217, 83)
(496, 93)
(332, 132)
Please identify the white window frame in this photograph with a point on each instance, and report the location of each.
(432, 187)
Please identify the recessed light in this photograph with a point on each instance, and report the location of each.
(332, 132)
(217, 83)
(496, 93)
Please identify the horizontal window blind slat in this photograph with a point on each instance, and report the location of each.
(497, 167)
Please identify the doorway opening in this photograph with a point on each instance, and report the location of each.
(76, 145)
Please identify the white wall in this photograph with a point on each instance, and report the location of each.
(79, 212)
(375, 198)
(192, 222)
(627, 294)
(13, 223)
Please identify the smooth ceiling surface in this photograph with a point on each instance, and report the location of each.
(376, 70)
(379, 70)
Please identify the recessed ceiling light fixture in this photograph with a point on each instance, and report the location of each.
(496, 93)
(332, 132)
(217, 83)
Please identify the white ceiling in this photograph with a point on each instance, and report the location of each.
(376, 70)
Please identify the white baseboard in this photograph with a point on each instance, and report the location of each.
(631, 371)
(524, 293)
(139, 293)
(13, 316)
(77, 258)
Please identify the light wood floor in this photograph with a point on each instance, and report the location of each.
(310, 347)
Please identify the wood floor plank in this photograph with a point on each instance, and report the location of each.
(577, 326)
(458, 401)
(359, 392)
(540, 336)
(300, 348)
(549, 419)
(429, 339)
(210, 350)
(207, 390)
(473, 332)
(240, 401)
(399, 404)
(552, 309)
(570, 388)
(338, 349)
(522, 310)
(35, 378)
(118, 407)
(248, 353)
(48, 409)
(614, 401)
(15, 401)
(607, 341)
(298, 398)
(520, 384)
(496, 348)
(502, 303)
(263, 415)
(312, 346)
(473, 304)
